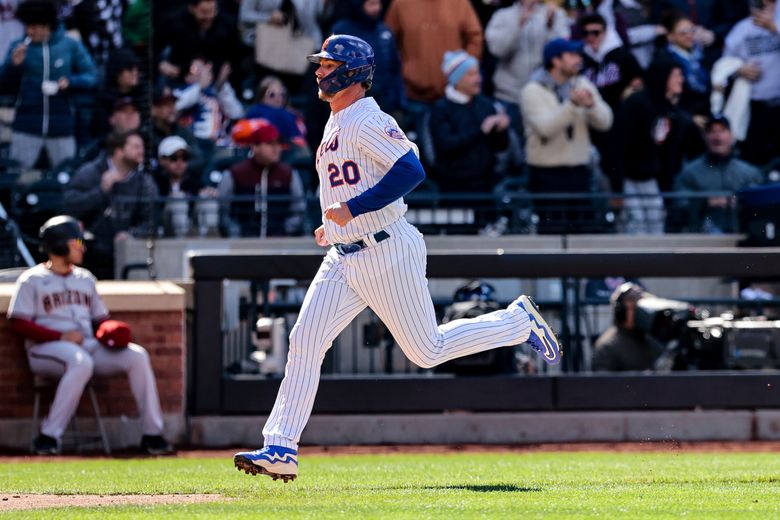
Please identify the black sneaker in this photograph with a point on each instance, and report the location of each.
(45, 445)
(156, 445)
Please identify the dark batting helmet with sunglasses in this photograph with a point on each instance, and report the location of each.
(357, 62)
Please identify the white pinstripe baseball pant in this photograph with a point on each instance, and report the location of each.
(388, 277)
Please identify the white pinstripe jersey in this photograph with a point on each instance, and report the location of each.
(359, 145)
(58, 302)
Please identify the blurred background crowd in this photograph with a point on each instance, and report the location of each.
(201, 117)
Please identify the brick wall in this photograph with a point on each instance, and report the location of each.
(161, 332)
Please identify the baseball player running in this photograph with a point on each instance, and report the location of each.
(376, 258)
(54, 306)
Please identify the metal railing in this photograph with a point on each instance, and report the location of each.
(490, 214)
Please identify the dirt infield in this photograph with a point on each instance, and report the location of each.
(18, 502)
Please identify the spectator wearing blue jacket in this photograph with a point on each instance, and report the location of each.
(366, 23)
(45, 68)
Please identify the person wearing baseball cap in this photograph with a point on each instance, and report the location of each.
(557, 48)
(261, 175)
(559, 109)
(165, 123)
(176, 182)
(171, 173)
(717, 170)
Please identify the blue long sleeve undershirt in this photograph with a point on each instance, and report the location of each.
(400, 179)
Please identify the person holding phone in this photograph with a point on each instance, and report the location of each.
(44, 68)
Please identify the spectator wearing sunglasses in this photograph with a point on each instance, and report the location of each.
(164, 123)
(271, 104)
(616, 73)
(174, 182)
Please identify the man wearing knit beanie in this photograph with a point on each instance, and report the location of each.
(456, 64)
(467, 129)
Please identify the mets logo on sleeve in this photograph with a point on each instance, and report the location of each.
(394, 132)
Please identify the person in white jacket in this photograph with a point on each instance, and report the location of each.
(516, 36)
(756, 41)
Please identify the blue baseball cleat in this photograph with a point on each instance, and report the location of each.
(275, 461)
(542, 338)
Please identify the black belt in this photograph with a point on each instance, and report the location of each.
(354, 247)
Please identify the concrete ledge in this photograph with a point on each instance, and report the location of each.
(690, 426)
(123, 432)
(141, 296)
(495, 428)
(453, 428)
(125, 296)
(768, 424)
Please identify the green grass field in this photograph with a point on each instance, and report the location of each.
(468, 485)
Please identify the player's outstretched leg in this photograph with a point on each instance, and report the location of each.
(542, 338)
(275, 461)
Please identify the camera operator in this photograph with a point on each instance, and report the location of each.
(622, 346)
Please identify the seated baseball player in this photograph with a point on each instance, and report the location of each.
(56, 308)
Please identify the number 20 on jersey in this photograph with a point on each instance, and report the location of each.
(349, 173)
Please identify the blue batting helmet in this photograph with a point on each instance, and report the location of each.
(357, 59)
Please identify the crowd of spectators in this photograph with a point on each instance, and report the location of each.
(627, 98)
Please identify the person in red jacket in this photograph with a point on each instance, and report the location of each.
(267, 194)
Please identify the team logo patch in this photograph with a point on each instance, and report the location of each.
(394, 132)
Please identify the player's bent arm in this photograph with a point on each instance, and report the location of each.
(28, 329)
(401, 178)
